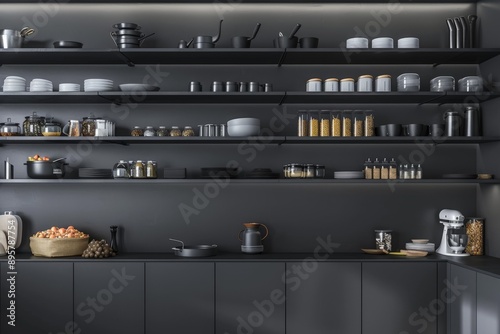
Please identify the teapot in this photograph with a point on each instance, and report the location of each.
(201, 42)
(252, 240)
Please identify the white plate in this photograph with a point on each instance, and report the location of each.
(16, 78)
(420, 241)
(18, 228)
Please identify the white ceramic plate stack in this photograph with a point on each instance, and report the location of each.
(69, 87)
(14, 84)
(41, 85)
(348, 175)
(408, 43)
(427, 247)
(383, 43)
(357, 43)
(98, 85)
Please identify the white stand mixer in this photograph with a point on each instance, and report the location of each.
(452, 244)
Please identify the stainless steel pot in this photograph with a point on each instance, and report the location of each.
(194, 251)
(11, 38)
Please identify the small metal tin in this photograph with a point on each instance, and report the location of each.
(253, 87)
(222, 130)
(268, 87)
(209, 130)
(217, 86)
(243, 87)
(314, 85)
(231, 86)
(195, 86)
(201, 129)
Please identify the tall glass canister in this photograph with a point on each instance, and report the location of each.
(474, 227)
(324, 127)
(303, 124)
(336, 123)
(313, 123)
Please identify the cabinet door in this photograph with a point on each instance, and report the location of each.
(488, 304)
(400, 297)
(326, 300)
(462, 300)
(250, 298)
(43, 298)
(109, 297)
(180, 298)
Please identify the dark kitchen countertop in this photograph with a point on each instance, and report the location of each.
(484, 264)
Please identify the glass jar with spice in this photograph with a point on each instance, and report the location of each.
(384, 169)
(151, 169)
(324, 128)
(347, 123)
(149, 132)
(369, 124)
(33, 125)
(138, 171)
(376, 169)
(336, 123)
(51, 128)
(358, 123)
(313, 123)
(175, 131)
(89, 125)
(137, 131)
(303, 124)
(474, 227)
(393, 170)
(162, 131)
(188, 131)
(368, 168)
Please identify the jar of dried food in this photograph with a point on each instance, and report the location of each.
(376, 169)
(162, 131)
(10, 129)
(313, 123)
(137, 131)
(474, 227)
(384, 169)
(393, 170)
(89, 126)
(324, 128)
(319, 171)
(151, 169)
(149, 132)
(175, 131)
(336, 123)
(188, 131)
(309, 171)
(358, 121)
(33, 125)
(51, 128)
(368, 168)
(383, 239)
(139, 171)
(346, 123)
(286, 171)
(303, 124)
(369, 124)
(296, 171)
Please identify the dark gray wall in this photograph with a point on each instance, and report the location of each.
(296, 214)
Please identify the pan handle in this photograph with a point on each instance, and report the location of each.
(178, 241)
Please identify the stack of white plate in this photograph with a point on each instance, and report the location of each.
(349, 175)
(428, 247)
(408, 43)
(382, 43)
(69, 87)
(14, 84)
(357, 43)
(98, 85)
(41, 85)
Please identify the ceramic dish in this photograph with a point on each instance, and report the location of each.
(4, 227)
(420, 241)
(133, 87)
(373, 251)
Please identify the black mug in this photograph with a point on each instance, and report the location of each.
(254, 87)
(243, 86)
(217, 86)
(309, 42)
(195, 86)
(382, 131)
(241, 42)
(436, 130)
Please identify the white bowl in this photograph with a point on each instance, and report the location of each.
(382, 42)
(243, 130)
(420, 241)
(408, 43)
(357, 43)
(244, 121)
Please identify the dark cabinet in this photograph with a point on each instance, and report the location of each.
(109, 297)
(326, 298)
(399, 297)
(180, 298)
(461, 297)
(43, 296)
(488, 304)
(250, 298)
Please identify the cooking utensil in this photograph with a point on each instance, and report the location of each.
(125, 25)
(452, 33)
(201, 42)
(67, 44)
(59, 159)
(465, 32)
(460, 32)
(45, 169)
(184, 45)
(244, 41)
(194, 251)
(26, 31)
(472, 30)
(294, 31)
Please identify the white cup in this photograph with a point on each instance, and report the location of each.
(347, 85)
(357, 43)
(332, 85)
(365, 83)
(383, 83)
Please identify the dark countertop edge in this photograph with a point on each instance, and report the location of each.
(483, 264)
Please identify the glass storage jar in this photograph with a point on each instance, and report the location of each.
(89, 125)
(162, 131)
(368, 169)
(319, 171)
(10, 129)
(313, 123)
(346, 124)
(324, 128)
(137, 131)
(33, 125)
(121, 170)
(188, 131)
(138, 172)
(175, 131)
(151, 169)
(303, 124)
(336, 123)
(149, 132)
(51, 128)
(369, 124)
(296, 171)
(474, 227)
(309, 171)
(358, 123)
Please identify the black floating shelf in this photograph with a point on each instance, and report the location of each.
(391, 140)
(51, 97)
(243, 1)
(319, 182)
(61, 56)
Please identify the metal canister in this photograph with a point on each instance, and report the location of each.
(209, 130)
(452, 123)
(472, 122)
(151, 169)
(201, 130)
(222, 130)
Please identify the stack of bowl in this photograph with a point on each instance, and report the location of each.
(127, 35)
(97, 85)
(41, 85)
(14, 84)
(443, 84)
(243, 127)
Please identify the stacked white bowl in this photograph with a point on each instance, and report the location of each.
(243, 127)
(470, 84)
(41, 85)
(357, 43)
(408, 43)
(383, 43)
(409, 82)
(69, 87)
(443, 84)
(14, 84)
(98, 85)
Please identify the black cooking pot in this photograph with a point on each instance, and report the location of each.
(45, 169)
(194, 251)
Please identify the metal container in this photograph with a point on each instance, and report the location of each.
(453, 122)
(121, 170)
(472, 122)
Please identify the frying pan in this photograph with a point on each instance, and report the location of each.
(126, 25)
(194, 251)
(67, 44)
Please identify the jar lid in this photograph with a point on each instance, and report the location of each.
(314, 79)
(53, 124)
(175, 127)
(366, 76)
(296, 165)
(187, 127)
(384, 76)
(149, 127)
(9, 122)
(451, 113)
(309, 165)
(162, 127)
(137, 127)
(331, 79)
(383, 231)
(320, 166)
(347, 79)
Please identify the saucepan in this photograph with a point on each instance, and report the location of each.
(14, 38)
(194, 251)
(244, 41)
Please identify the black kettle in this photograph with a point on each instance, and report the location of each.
(201, 42)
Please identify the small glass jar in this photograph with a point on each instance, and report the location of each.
(324, 128)
(10, 129)
(151, 169)
(393, 170)
(319, 171)
(162, 131)
(149, 132)
(121, 170)
(286, 171)
(175, 131)
(376, 169)
(336, 123)
(384, 170)
(296, 171)
(137, 131)
(313, 123)
(188, 131)
(51, 129)
(89, 126)
(33, 125)
(309, 171)
(303, 124)
(368, 169)
(139, 171)
(369, 124)
(346, 123)
(358, 123)
(383, 239)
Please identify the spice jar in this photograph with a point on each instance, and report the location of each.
(313, 124)
(336, 123)
(137, 131)
(309, 171)
(393, 170)
(32, 125)
(188, 131)
(162, 131)
(151, 169)
(474, 227)
(324, 128)
(138, 172)
(149, 132)
(175, 131)
(89, 126)
(369, 124)
(51, 129)
(296, 171)
(368, 168)
(383, 239)
(10, 129)
(358, 120)
(376, 169)
(346, 124)
(303, 124)
(384, 170)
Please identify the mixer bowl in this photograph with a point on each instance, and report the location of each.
(457, 242)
